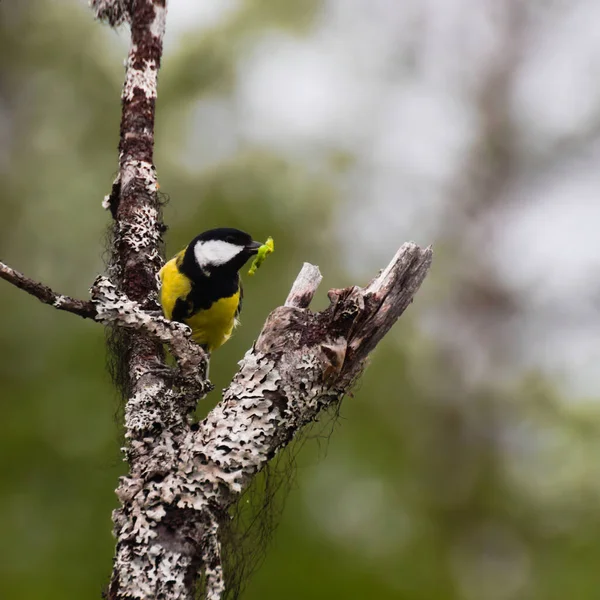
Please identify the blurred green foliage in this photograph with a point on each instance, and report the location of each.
(427, 490)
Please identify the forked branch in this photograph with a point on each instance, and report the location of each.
(174, 504)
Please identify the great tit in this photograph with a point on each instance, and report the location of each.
(201, 285)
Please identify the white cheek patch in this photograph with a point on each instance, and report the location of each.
(215, 252)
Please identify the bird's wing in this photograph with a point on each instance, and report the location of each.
(174, 292)
(239, 306)
(182, 310)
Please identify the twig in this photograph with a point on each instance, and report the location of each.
(46, 295)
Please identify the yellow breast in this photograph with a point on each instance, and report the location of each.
(174, 285)
(211, 327)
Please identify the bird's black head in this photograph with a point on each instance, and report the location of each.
(220, 250)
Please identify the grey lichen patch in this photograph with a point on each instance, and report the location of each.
(153, 565)
(237, 432)
(138, 80)
(157, 27)
(60, 300)
(211, 557)
(138, 170)
(152, 573)
(141, 231)
(113, 306)
(148, 408)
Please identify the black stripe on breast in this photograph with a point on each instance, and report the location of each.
(181, 310)
(239, 307)
(208, 290)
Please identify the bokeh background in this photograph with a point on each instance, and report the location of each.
(466, 465)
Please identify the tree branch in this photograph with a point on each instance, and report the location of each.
(183, 476)
(133, 201)
(174, 501)
(46, 295)
(113, 308)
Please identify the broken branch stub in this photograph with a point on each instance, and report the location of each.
(304, 287)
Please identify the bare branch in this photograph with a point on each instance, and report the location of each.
(46, 295)
(302, 363)
(153, 405)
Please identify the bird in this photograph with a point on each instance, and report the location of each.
(201, 286)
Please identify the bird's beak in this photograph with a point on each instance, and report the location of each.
(253, 247)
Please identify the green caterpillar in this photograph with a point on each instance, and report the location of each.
(263, 252)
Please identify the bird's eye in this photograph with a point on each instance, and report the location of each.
(230, 239)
